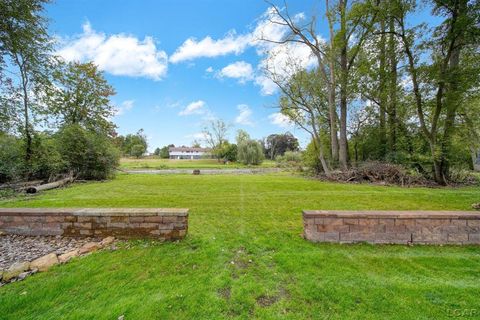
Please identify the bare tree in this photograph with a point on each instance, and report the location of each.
(215, 135)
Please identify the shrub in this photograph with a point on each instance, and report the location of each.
(11, 158)
(291, 159)
(87, 154)
(46, 162)
(250, 152)
(310, 159)
(229, 152)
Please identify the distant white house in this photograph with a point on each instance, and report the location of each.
(188, 153)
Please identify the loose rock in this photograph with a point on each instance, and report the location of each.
(15, 269)
(67, 256)
(89, 247)
(107, 241)
(45, 262)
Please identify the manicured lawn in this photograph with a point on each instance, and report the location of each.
(244, 257)
(155, 163)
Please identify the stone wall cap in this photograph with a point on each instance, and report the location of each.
(95, 211)
(392, 214)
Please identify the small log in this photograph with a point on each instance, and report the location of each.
(20, 185)
(48, 186)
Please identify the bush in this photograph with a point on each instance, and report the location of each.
(229, 152)
(88, 155)
(250, 152)
(11, 158)
(46, 162)
(291, 159)
(310, 159)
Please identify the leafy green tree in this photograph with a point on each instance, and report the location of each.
(250, 152)
(131, 140)
(138, 150)
(216, 136)
(82, 96)
(27, 47)
(278, 144)
(164, 152)
(228, 152)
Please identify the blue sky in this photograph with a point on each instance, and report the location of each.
(172, 96)
(177, 64)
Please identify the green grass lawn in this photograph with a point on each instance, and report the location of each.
(244, 257)
(156, 163)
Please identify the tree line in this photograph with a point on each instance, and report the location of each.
(55, 117)
(384, 87)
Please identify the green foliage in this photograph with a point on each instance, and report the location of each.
(310, 158)
(89, 155)
(46, 160)
(128, 142)
(164, 153)
(82, 96)
(138, 150)
(277, 144)
(290, 156)
(11, 154)
(250, 152)
(228, 152)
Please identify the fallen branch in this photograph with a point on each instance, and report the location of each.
(20, 185)
(51, 185)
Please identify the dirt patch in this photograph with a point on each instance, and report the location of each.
(266, 301)
(225, 293)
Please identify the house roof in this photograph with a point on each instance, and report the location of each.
(187, 149)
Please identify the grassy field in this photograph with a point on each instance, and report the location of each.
(244, 257)
(156, 163)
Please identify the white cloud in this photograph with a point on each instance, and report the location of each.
(118, 54)
(209, 48)
(244, 116)
(196, 107)
(267, 86)
(124, 107)
(209, 70)
(240, 70)
(197, 136)
(279, 59)
(280, 120)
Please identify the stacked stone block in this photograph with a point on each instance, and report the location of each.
(401, 227)
(165, 224)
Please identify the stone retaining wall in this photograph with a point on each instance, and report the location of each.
(402, 227)
(166, 224)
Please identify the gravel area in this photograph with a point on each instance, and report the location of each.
(16, 248)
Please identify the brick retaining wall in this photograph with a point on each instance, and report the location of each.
(167, 224)
(402, 227)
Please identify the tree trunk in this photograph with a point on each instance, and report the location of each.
(51, 185)
(343, 152)
(382, 93)
(392, 99)
(476, 159)
(452, 96)
(332, 108)
(28, 135)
